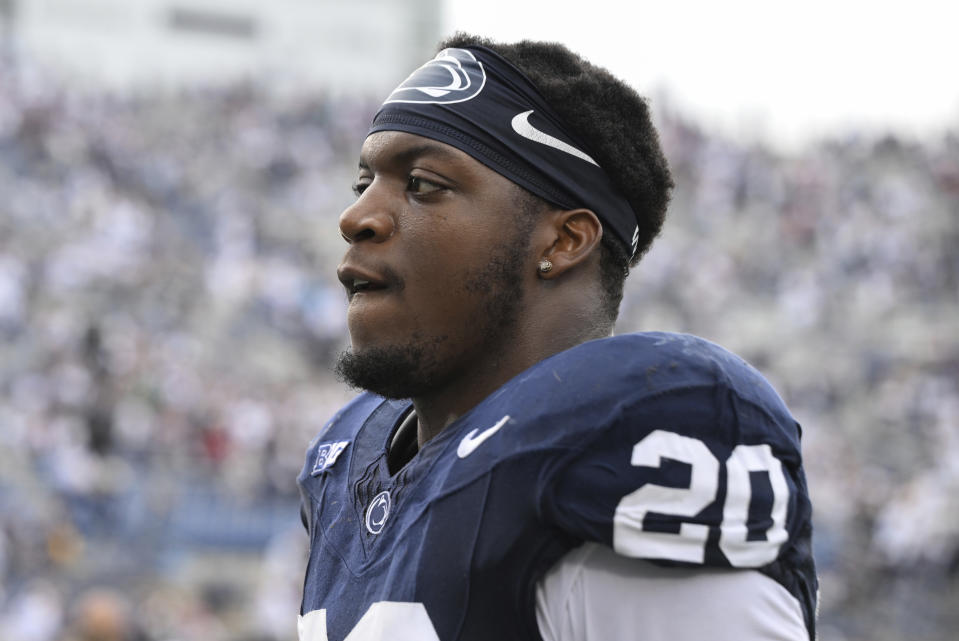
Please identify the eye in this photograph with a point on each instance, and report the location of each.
(359, 187)
(422, 187)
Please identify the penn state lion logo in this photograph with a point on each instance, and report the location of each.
(377, 512)
(454, 75)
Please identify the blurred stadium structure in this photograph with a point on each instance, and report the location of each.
(151, 44)
(168, 312)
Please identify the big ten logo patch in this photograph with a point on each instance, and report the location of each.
(326, 455)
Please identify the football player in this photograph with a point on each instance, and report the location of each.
(514, 471)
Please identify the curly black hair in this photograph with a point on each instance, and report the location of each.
(615, 120)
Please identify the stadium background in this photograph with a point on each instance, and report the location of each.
(170, 177)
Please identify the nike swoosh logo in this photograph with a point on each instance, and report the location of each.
(473, 440)
(520, 124)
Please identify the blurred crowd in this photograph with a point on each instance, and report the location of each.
(169, 312)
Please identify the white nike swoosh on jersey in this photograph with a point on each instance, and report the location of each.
(473, 440)
(520, 124)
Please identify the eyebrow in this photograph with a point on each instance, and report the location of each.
(409, 154)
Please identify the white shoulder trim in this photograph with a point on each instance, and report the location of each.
(594, 594)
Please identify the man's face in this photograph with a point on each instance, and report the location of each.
(435, 268)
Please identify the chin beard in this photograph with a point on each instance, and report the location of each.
(424, 365)
(419, 367)
(403, 371)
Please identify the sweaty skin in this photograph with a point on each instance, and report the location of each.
(427, 217)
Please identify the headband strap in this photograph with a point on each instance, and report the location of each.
(478, 102)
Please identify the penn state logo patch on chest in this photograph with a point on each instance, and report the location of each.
(377, 512)
(326, 455)
(454, 75)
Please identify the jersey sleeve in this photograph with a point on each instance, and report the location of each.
(594, 594)
(706, 471)
(683, 455)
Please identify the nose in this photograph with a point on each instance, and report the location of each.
(369, 218)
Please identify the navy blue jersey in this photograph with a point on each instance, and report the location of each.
(661, 446)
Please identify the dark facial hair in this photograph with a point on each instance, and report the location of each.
(414, 369)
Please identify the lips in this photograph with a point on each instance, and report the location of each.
(357, 280)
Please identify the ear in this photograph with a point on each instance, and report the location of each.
(575, 234)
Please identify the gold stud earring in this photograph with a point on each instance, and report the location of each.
(545, 265)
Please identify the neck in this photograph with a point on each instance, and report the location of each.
(464, 391)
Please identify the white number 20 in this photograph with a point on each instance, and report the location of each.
(631, 539)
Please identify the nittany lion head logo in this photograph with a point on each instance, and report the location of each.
(454, 75)
(377, 512)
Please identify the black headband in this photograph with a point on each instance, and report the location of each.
(478, 102)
